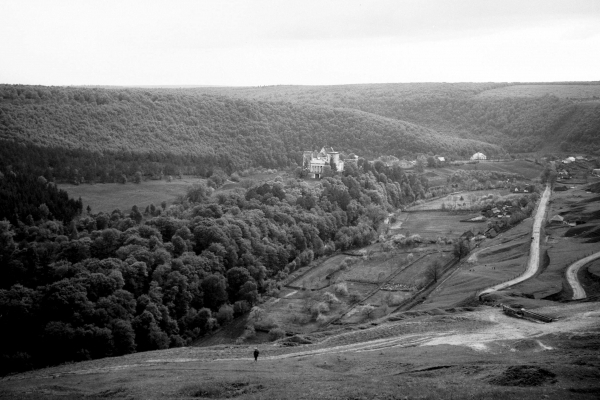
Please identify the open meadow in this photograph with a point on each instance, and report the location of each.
(526, 169)
(465, 200)
(431, 225)
(107, 197)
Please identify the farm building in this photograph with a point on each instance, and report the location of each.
(596, 171)
(315, 162)
(557, 219)
(478, 156)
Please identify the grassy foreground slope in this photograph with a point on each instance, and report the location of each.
(476, 355)
(229, 131)
(520, 117)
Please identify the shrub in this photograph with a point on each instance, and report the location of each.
(249, 332)
(276, 333)
(321, 319)
(247, 183)
(341, 288)
(394, 300)
(241, 307)
(355, 298)
(225, 314)
(367, 310)
(330, 298)
(319, 308)
(235, 177)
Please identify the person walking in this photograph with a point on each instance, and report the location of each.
(256, 352)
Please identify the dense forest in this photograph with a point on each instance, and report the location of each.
(22, 196)
(111, 284)
(522, 123)
(72, 132)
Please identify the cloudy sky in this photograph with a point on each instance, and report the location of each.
(266, 42)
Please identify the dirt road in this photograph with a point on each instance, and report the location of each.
(578, 292)
(534, 253)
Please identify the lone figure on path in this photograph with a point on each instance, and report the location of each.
(256, 352)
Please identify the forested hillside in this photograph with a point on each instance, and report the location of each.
(112, 284)
(185, 127)
(521, 118)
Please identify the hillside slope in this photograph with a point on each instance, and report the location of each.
(482, 355)
(519, 117)
(229, 131)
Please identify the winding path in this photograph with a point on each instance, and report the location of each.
(534, 252)
(578, 292)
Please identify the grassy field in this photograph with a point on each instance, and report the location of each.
(561, 91)
(414, 275)
(315, 277)
(375, 269)
(496, 261)
(107, 197)
(527, 169)
(433, 224)
(469, 200)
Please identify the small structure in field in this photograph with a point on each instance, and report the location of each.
(478, 156)
(557, 219)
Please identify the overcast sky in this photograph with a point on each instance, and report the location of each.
(267, 42)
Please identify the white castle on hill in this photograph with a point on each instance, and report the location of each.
(315, 162)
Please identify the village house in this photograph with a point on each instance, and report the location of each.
(315, 162)
(478, 156)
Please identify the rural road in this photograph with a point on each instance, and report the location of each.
(578, 292)
(534, 252)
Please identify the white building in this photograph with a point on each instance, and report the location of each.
(315, 162)
(478, 156)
